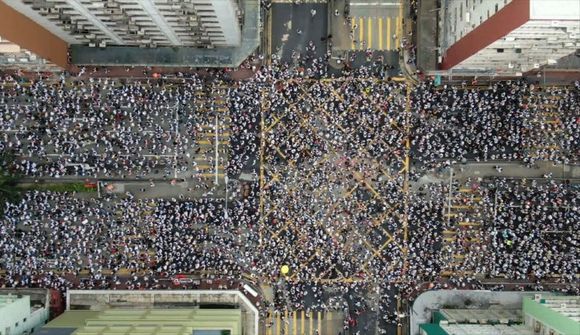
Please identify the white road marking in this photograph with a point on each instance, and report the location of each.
(381, 4)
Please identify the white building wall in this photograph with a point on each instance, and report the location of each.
(534, 44)
(221, 21)
(16, 317)
(228, 21)
(552, 32)
(144, 23)
(459, 17)
(554, 9)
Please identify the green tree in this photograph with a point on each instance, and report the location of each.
(9, 190)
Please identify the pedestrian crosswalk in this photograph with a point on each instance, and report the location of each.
(463, 232)
(212, 135)
(299, 1)
(545, 127)
(375, 33)
(303, 323)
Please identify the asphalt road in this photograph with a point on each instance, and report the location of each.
(294, 26)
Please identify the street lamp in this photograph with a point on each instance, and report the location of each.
(226, 209)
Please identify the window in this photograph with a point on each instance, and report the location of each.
(518, 50)
(499, 51)
(461, 11)
(496, 8)
(488, 13)
(24, 320)
(16, 325)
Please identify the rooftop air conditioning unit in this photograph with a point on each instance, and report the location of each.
(103, 44)
(537, 66)
(467, 16)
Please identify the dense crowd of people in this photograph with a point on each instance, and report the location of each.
(534, 232)
(331, 189)
(511, 120)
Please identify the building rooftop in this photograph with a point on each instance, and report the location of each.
(567, 306)
(9, 299)
(482, 315)
(149, 321)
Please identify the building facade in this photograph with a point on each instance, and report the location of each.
(172, 33)
(539, 314)
(506, 37)
(14, 57)
(142, 23)
(19, 317)
(552, 315)
(155, 312)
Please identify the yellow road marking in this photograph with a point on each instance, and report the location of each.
(279, 152)
(329, 323)
(352, 190)
(270, 37)
(352, 24)
(269, 328)
(319, 322)
(294, 322)
(380, 33)
(207, 175)
(388, 33)
(370, 33)
(361, 34)
(278, 325)
(286, 322)
(398, 309)
(276, 120)
(212, 142)
(302, 322)
(399, 32)
(311, 317)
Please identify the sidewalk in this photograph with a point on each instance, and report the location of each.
(408, 69)
(426, 35)
(340, 31)
(510, 170)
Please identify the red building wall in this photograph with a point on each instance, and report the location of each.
(21, 30)
(510, 17)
